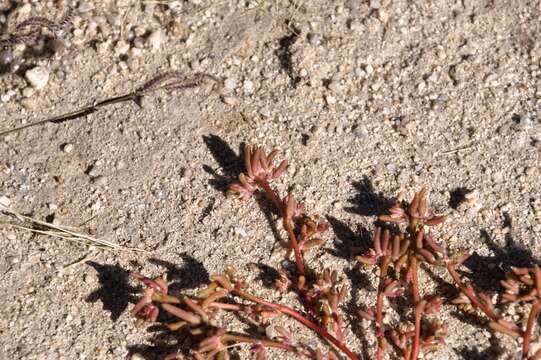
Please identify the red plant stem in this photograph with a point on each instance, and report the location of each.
(527, 337)
(287, 225)
(226, 306)
(264, 184)
(470, 294)
(418, 309)
(385, 261)
(297, 316)
(263, 342)
(295, 245)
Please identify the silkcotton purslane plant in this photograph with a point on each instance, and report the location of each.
(402, 242)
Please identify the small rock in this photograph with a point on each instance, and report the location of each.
(28, 92)
(471, 205)
(99, 180)
(230, 83)
(4, 201)
(67, 148)
(85, 6)
(315, 39)
(137, 356)
(331, 100)
(28, 103)
(240, 231)
(265, 112)
(155, 39)
(375, 4)
(177, 30)
(161, 194)
(37, 77)
(248, 86)
(335, 87)
(230, 100)
(96, 206)
(5, 97)
(6, 57)
(25, 9)
(360, 131)
(122, 47)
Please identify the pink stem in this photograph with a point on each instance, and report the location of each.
(287, 225)
(418, 309)
(379, 304)
(527, 337)
(297, 316)
(295, 246)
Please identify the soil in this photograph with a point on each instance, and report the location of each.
(368, 100)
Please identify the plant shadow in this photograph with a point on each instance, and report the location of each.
(228, 161)
(163, 343)
(189, 275)
(368, 201)
(115, 292)
(505, 256)
(348, 243)
(494, 351)
(458, 196)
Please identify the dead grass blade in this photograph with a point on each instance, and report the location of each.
(62, 232)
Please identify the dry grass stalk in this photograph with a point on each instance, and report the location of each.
(36, 226)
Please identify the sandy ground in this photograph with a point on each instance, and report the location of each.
(369, 100)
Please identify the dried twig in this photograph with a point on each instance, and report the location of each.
(168, 81)
(62, 232)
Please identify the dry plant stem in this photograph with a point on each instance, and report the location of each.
(527, 337)
(303, 320)
(287, 225)
(148, 88)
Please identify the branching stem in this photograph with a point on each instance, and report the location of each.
(418, 308)
(385, 261)
(303, 320)
(527, 337)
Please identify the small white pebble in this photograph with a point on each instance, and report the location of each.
(230, 83)
(96, 206)
(5, 97)
(230, 100)
(25, 9)
(155, 39)
(240, 231)
(4, 201)
(248, 86)
(375, 4)
(122, 48)
(37, 77)
(369, 69)
(28, 92)
(331, 100)
(99, 180)
(67, 148)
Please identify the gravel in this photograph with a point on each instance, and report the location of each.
(368, 100)
(38, 77)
